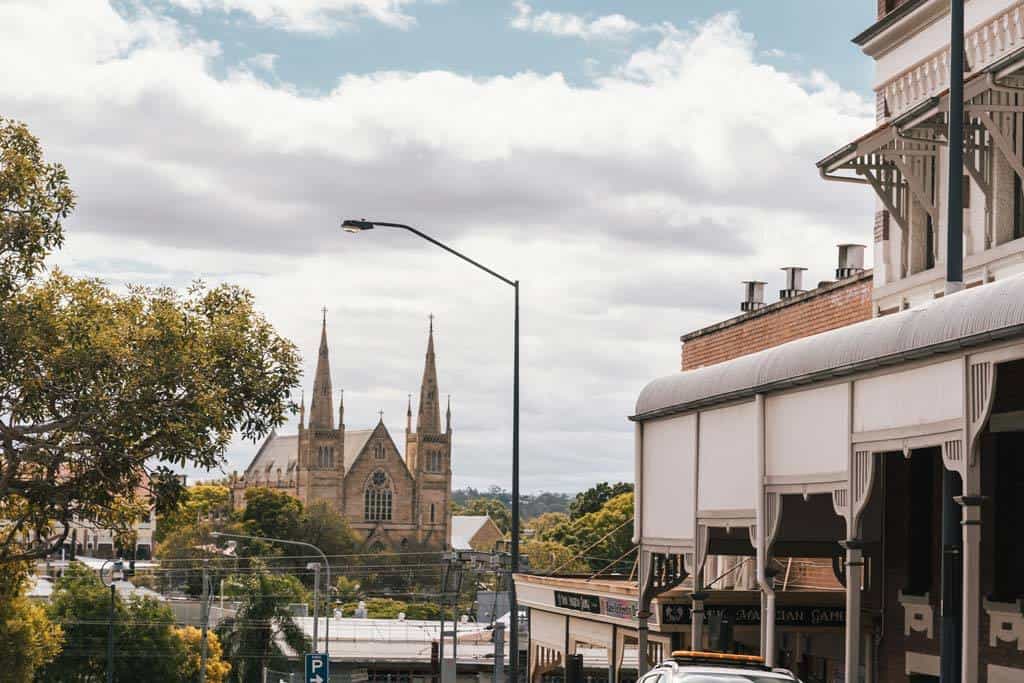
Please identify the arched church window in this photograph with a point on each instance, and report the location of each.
(377, 498)
(433, 461)
(378, 451)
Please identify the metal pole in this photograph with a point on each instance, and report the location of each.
(955, 203)
(499, 652)
(110, 637)
(513, 603)
(316, 605)
(952, 539)
(204, 612)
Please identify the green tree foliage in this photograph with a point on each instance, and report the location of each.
(28, 639)
(102, 393)
(272, 513)
(551, 556)
(146, 646)
(530, 504)
(541, 526)
(348, 590)
(594, 498)
(326, 529)
(389, 608)
(200, 502)
(601, 537)
(495, 509)
(250, 638)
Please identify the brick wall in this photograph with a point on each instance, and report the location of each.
(835, 305)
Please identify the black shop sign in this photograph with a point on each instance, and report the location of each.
(741, 615)
(578, 602)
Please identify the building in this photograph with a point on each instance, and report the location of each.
(391, 501)
(860, 436)
(475, 532)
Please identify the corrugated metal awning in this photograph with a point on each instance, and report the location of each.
(971, 317)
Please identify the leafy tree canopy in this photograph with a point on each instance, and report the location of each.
(217, 669)
(272, 513)
(551, 556)
(604, 537)
(103, 394)
(595, 497)
(491, 507)
(198, 502)
(28, 639)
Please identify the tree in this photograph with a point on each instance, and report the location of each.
(323, 527)
(198, 502)
(494, 509)
(250, 638)
(271, 513)
(543, 525)
(145, 643)
(595, 497)
(102, 394)
(28, 639)
(603, 537)
(551, 556)
(217, 669)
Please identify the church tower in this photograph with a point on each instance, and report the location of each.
(428, 455)
(321, 461)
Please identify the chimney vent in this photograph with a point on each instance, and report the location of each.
(794, 282)
(851, 260)
(753, 297)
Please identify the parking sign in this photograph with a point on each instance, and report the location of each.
(317, 668)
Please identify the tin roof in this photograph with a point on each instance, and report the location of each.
(968, 318)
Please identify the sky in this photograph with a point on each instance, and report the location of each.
(630, 163)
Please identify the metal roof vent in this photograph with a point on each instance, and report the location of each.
(753, 297)
(851, 260)
(794, 282)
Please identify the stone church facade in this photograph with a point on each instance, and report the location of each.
(391, 501)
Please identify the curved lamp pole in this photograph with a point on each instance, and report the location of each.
(316, 599)
(362, 225)
(118, 567)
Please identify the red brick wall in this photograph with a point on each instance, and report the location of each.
(838, 306)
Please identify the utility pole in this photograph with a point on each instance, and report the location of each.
(315, 566)
(204, 615)
(499, 652)
(110, 636)
(952, 541)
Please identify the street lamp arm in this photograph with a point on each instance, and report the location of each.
(507, 281)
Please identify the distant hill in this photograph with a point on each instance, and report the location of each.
(530, 505)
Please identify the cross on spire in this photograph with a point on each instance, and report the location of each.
(381, 413)
(431, 322)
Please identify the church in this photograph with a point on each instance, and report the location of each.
(390, 501)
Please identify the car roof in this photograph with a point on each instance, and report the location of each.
(726, 669)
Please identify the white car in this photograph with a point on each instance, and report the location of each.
(716, 667)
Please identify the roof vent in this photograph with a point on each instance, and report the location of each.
(851, 260)
(794, 282)
(753, 297)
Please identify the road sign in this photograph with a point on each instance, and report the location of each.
(317, 668)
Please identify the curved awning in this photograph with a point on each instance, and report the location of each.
(971, 317)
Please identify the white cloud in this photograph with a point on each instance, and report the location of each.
(309, 16)
(610, 26)
(629, 208)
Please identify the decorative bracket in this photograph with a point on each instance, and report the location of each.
(918, 614)
(1005, 623)
(849, 501)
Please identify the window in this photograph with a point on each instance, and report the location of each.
(433, 461)
(325, 456)
(377, 498)
(920, 528)
(431, 513)
(929, 244)
(378, 451)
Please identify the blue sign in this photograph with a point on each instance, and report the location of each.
(317, 668)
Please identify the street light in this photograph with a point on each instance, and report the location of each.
(118, 567)
(316, 585)
(362, 225)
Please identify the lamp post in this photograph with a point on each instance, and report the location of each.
(362, 225)
(118, 567)
(316, 596)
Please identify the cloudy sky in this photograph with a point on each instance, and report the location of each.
(629, 162)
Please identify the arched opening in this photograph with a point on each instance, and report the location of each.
(377, 498)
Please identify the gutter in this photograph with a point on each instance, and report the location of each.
(954, 345)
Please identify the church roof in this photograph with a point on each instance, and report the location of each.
(355, 441)
(280, 451)
(277, 452)
(465, 527)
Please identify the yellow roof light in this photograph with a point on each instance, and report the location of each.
(723, 656)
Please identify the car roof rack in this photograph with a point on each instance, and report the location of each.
(719, 659)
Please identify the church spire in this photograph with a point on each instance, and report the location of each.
(408, 417)
(448, 415)
(341, 410)
(429, 418)
(321, 410)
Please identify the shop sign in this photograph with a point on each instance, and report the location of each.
(593, 604)
(740, 615)
(578, 602)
